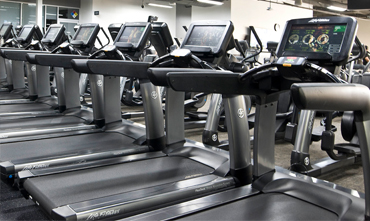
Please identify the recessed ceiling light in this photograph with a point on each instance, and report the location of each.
(211, 2)
(335, 8)
(157, 5)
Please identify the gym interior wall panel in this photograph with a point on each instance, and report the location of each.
(363, 31)
(252, 12)
(183, 18)
(122, 11)
(86, 11)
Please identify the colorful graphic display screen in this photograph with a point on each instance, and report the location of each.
(316, 38)
(131, 35)
(210, 36)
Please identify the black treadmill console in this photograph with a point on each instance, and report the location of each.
(25, 36)
(161, 38)
(84, 38)
(114, 30)
(133, 37)
(325, 40)
(208, 38)
(54, 36)
(6, 31)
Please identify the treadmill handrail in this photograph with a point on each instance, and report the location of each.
(342, 97)
(54, 60)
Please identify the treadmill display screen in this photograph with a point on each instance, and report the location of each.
(52, 33)
(3, 29)
(84, 33)
(131, 34)
(316, 38)
(206, 35)
(25, 32)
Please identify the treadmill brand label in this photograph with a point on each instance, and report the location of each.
(33, 68)
(99, 83)
(318, 20)
(103, 214)
(154, 95)
(36, 166)
(3, 136)
(240, 113)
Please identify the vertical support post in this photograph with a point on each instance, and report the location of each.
(31, 78)
(71, 79)
(210, 134)
(39, 13)
(112, 101)
(239, 138)
(9, 73)
(175, 128)
(154, 121)
(43, 81)
(59, 78)
(97, 85)
(2, 68)
(264, 138)
(362, 121)
(18, 74)
(83, 85)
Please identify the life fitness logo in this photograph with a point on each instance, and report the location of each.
(74, 14)
(315, 20)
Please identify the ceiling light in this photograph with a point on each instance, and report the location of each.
(335, 8)
(157, 5)
(211, 2)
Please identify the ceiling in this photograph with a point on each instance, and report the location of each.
(319, 6)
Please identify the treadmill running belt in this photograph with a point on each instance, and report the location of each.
(24, 107)
(270, 206)
(53, 146)
(35, 122)
(10, 96)
(67, 188)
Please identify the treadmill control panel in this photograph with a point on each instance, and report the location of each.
(328, 39)
(209, 38)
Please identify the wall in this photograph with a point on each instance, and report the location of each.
(183, 18)
(122, 11)
(253, 12)
(86, 11)
(363, 31)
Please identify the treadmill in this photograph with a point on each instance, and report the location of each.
(6, 32)
(38, 76)
(21, 126)
(275, 193)
(113, 137)
(180, 171)
(15, 70)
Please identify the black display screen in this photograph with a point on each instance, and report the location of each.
(52, 33)
(315, 38)
(25, 32)
(84, 33)
(3, 29)
(131, 34)
(206, 35)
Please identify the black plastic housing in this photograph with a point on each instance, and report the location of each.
(53, 40)
(6, 30)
